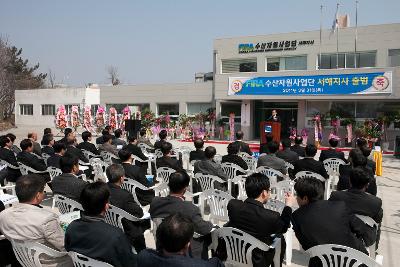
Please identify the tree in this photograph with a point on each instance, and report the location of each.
(113, 75)
(15, 74)
(51, 76)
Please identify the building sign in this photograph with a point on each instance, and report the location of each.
(336, 84)
(273, 46)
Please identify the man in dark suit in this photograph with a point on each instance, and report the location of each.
(92, 236)
(48, 142)
(86, 144)
(27, 158)
(162, 207)
(251, 217)
(297, 147)
(264, 146)
(123, 199)
(317, 222)
(271, 160)
(59, 151)
(45, 131)
(309, 163)
(143, 139)
(7, 155)
(174, 235)
(117, 141)
(100, 140)
(73, 150)
(68, 184)
(244, 147)
(166, 160)
(138, 174)
(36, 146)
(287, 154)
(370, 163)
(332, 152)
(14, 148)
(198, 154)
(274, 116)
(209, 166)
(360, 202)
(232, 157)
(68, 135)
(107, 146)
(134, 149)
(356, 159)
(163, 139)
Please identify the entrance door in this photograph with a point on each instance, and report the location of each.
(287, 112)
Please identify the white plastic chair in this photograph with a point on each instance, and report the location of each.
(275, 205)
(88, 154)
(108, 157)
(218, 202)
(340, 256)
(8, 199)
(163, 174)
(148, 162)
(240, 180)
(45, 157)
(98, 169)
(240, 245)
(218, 158)
(28, 252)
(272, 174)
(131, 185)
(231, 170)
(66, 205)
(207, 181)
(250, 160)
(53, 171)
(114, 216)
(332, 166)
(158, 153)
(304, 174)
(288, 166)
(25, 170)
(373, 224)
(282, 188)
(162, 190)
(80, 260)
(144, 147)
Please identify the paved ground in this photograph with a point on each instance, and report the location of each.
(388, 190)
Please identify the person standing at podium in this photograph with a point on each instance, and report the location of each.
(274, 116)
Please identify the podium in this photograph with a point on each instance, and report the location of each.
(271, 127)
(132, 127)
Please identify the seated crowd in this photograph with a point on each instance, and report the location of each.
(182, 233)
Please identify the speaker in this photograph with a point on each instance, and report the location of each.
(132, 127)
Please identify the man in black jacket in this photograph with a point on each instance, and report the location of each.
(134, 149)
(59, 151)
(163, 137)
(7, 155)
(123, 199)
(309, 163)
(317, 222)
(174, 236)
(251, 217)
(92, 236)
(287, 154)
(117, 141)
(27, 158)
(264, 147)
(198, 154)
(166, 160)
(48, 143)
(73, 150)
(86, 144)
(36, 146)
(162, 207)
(360, 202)
(370, 163)
(243, 147)
(68, 184)
(138, 174)
(332, 152)
(297, 147)
(99, 140)
(232, 157)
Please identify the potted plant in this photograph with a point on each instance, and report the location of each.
(349, 124)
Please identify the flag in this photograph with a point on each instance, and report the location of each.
(335, 23)
(343, 21)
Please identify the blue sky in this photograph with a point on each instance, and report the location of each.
(157, 41)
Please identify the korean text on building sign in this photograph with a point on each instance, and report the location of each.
(341, 84)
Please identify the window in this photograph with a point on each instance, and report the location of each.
(394, 57)
(287, 63)
(133, 107)
(48, 109)
(68, 108)
(194, 108)
(273, 64)
(93, 109)
(26, 109)
(171, 109)
(346, 60)
(239, 65)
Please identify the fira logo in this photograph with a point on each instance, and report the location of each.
(246, 48)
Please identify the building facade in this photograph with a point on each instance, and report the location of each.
(254, 63)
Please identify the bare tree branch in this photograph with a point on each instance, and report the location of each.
(52, 78)
(113, 75)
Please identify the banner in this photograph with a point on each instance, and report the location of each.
(336, 84)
